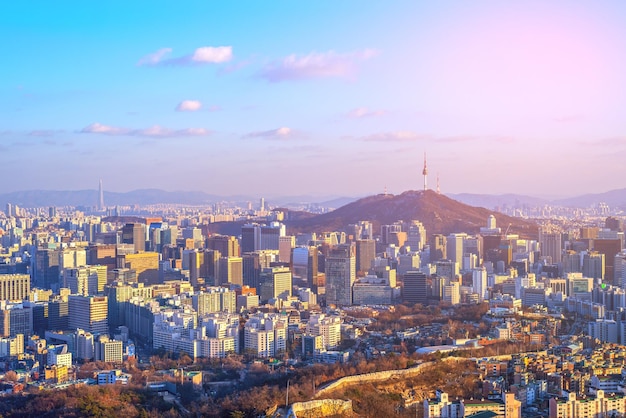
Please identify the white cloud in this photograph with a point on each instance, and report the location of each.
(155, 131)
(363, 112)
(211, 54)
(189, 106)
(202, 55)
(279, 133)
(155, 58)
(315, 65)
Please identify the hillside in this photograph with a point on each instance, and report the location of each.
(438, 213)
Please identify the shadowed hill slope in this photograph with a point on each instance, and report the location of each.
(438, 213)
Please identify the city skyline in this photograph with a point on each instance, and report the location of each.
(272, 99)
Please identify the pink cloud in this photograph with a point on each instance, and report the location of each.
(363, 112)
(315, 65)
(189, 106)
(155, 131)
(279, 133)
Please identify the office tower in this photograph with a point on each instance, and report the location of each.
(386, 232)
(262, 204)
(107, 350)
(340, 274)
(146, 265)
(447, 268)
(46, 274)
(473, 245)
(135, 233)
(365, 254)
(253, 263)
(231, 270)
(250, 238)
(572, 262)
(85, 280)
(228, 246)
(169, 235)
(275, 283)
(285, 245)
(101, 197)
(614, 224)
(415, 289)
(14, 287)
(305, 265)
(454, 247)
(89, 313)
(270, 236)
(102, 254)
(9, 210)
(415, 236)
(452, 293)
(610, 248)
(550, 245)
(58, 314)
(408, 262)
(594, 265)
(437, 248)
(15, 318)
(479, 283)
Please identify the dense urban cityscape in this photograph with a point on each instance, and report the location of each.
(313, 209)
(157, 299)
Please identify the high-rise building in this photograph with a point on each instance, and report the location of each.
(101, 197)
(228, 246)
(594, 265)
(285, 245)
(479, 283)
(135, 233)
(340, 274)
(437, 248)
(14, 287)
(231, 270)
(85, 280)
(46, 269)
(454, 247)
(415, 289)
(365, 254)
(610, 248)
(275, 283)
(550, 245)
(250, 238)
(416, 236)
(253, 263)
(89, 313)
(146, 264)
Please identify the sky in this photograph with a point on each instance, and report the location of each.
(274, 98)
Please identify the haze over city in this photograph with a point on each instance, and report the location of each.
(292, 98)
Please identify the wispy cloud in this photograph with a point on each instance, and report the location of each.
(202, 55)
(397, 136)
(189, 106)
(315, 65)
(278, 133)
(364, 112)
(611, 141)
(44, 132)
(154, 58)
(155, 131)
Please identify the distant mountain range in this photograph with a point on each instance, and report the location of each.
(614, 198)
(89, 198)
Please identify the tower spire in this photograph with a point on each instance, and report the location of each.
(425, 173)
(101, 196)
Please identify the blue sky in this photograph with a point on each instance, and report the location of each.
(313, 97)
